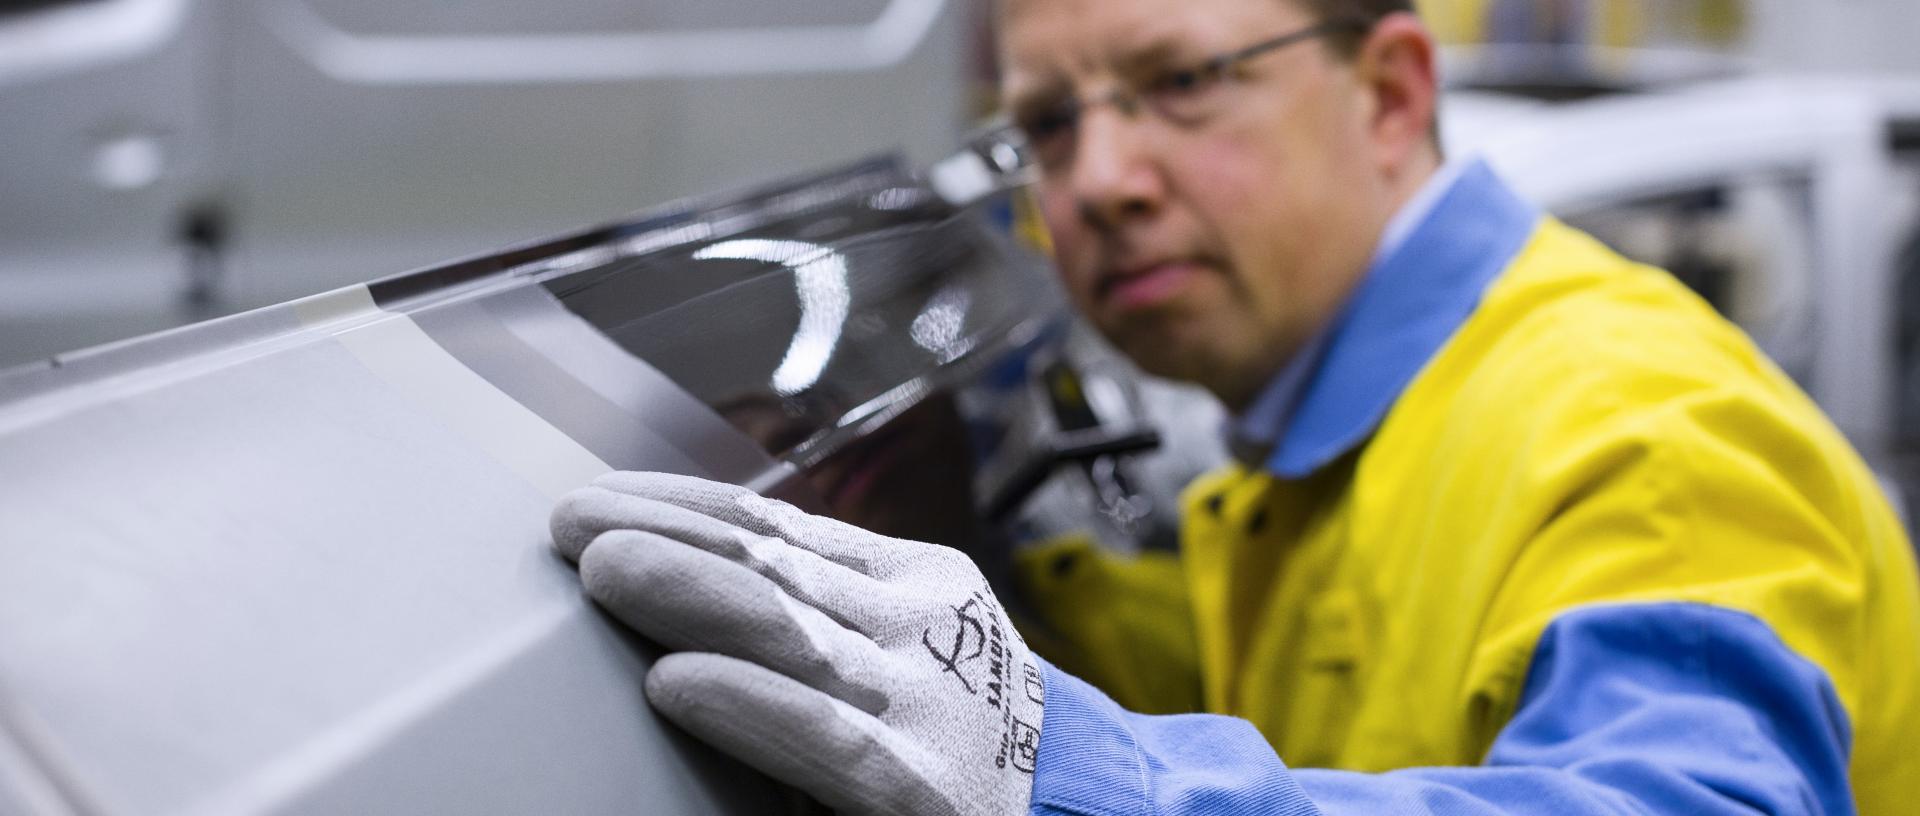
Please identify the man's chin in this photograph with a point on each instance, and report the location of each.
(1187, 359)
(1166, 355)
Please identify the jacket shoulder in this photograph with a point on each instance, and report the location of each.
(1573, 337)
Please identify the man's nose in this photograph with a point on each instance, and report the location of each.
(1115, 175)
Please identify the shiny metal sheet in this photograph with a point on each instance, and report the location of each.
(296, 560)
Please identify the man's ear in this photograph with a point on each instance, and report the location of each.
(1395, 67)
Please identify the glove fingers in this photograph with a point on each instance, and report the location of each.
(834, 540)
(583, 514)
(844, 594)
(844, 757)
(690, 599)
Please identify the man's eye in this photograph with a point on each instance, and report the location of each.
(1182, 82)
(1047, 124)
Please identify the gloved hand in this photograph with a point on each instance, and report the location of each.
(880, 675)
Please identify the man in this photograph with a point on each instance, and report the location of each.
(1521, 527)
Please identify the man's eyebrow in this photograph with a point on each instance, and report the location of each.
(1151, 54)
(1026, 98)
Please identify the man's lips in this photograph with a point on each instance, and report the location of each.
(1146, 285)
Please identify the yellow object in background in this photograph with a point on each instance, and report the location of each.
(1621, 24)
(1722, 22)
(1455, 22)
(1028, 227)
(1610, 23)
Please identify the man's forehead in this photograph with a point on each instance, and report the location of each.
(1043, 41)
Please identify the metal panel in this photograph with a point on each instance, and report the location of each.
(296, 560)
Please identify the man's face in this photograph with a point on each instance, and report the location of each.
(1209, 250)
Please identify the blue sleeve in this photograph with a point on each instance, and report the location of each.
(1629, 709)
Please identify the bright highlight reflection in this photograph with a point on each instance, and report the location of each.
(820, 277)
(938, 327)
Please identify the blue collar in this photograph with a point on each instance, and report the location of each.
(1425, 281)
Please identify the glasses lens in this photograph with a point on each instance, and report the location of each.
(1049, 134)
(1186, 96)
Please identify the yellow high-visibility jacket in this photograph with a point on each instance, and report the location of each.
(1579, 518)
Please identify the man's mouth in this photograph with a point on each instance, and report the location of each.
(1146, 285)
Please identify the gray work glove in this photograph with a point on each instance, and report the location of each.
(877, 674)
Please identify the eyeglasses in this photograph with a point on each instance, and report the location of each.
(1046, 134)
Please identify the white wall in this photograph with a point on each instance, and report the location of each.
(1843, 35)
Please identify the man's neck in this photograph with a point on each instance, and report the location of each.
(1262, 411)
(1414, 193)
(1406, 182)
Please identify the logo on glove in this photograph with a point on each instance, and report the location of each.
(1025, 745)
(968, 630)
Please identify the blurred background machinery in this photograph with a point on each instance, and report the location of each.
(171, 160)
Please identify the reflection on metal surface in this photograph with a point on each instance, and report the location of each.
(994, 160)
(820, 275)
(810, 313)
(938, 329)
